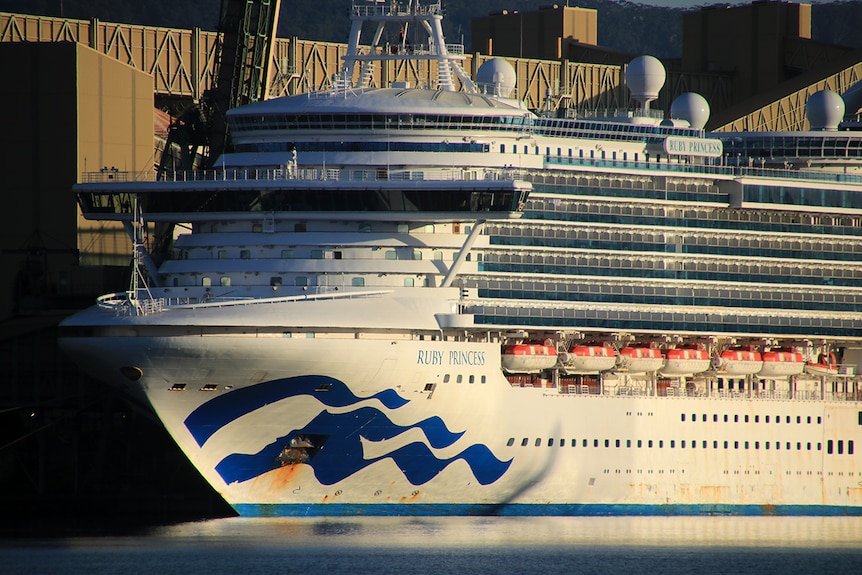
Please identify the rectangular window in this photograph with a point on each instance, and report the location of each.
(574, 443)
(618, 442)
(840, 447)
(301, 281)
(628, 442)
(524, 442)
(798, 446)
(714, 417)
(756, 419)
(538, 442)
(704, 417)
(584, 443)
(683, 417)
(357, 282)
(649, 443)
(511, 442)
(849, 447)
(550, 441)
(767, 445)
(595, 442)
(640, 443)
(672, 443)
(766, 419)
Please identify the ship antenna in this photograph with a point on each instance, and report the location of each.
(138, 282)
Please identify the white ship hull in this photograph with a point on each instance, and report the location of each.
(397, 432)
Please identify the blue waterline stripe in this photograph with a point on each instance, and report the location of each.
(536, 510)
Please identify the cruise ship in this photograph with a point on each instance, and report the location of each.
(429, 299)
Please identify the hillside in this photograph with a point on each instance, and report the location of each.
(625, 26)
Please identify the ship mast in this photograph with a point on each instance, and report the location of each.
(401, 14)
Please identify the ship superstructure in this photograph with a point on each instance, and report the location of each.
(431, 299)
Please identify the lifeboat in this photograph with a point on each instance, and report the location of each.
(590, 358)
(739, 361)
(528, 357)
(824, 366)
(685, 360)
(781, 363)
(640, 359)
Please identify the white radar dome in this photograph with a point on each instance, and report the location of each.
(824, 110)
(691, 107)
(496, 77)
(645, 77)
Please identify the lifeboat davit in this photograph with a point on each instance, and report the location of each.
(781, 363)
(528, 357)
(739, 361)
(686, 360)
(590, 358)
(824, 366)
(640, 359)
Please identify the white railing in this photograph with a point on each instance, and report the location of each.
(304, 174)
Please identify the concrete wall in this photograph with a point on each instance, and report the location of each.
(67, 109)
(537, 34)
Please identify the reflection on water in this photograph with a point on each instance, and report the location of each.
(462, 545)
(455, 532)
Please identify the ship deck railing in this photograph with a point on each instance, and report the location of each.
(731, 171)
(305, 174)
(124, 305)
(673, 391)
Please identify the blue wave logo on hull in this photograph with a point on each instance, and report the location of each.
(340, 453)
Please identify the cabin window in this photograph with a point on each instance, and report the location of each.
(391, 255)
(574, 443)
(550, 441)
(502, 148)
(275, 281)
(511, 442)
(409, 282)
(299, 227)
(287, 254)
(683, 417)
(607, 442)
(245, 254)
(317, 254)
(459, 378)
(595, 442)
(365, 228)
(438, 255)
(446, 378)
(301, 281)
(224, 281)
(538, 442)
(471, 379)
(524, 442)
(840, 447)
(417, 254)
(358, 282)
(222, 254)
(849, 447)
(206, 281)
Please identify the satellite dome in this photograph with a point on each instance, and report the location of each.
(645, 77)
(824, 110)
(691, 107)
(497, 77)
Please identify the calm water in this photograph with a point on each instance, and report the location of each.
(405, 546)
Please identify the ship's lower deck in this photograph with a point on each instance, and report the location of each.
(309, 425)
